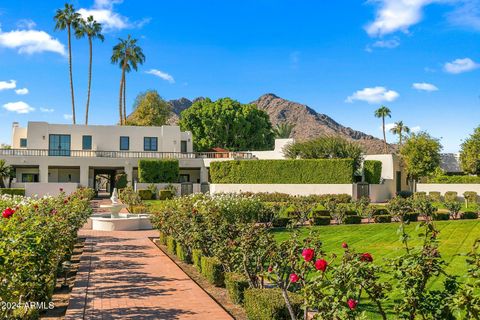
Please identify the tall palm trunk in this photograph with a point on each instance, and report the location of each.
(384, 135)
(89, 81)
(125, 99)
(71, 75)
(400, 138)
(120, 107)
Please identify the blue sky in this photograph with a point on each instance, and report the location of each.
(343, 58)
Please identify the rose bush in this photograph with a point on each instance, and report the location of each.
(36, 235)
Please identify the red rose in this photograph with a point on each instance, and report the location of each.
(344, 245)
(65, 201)
(321, 264)
(61, 189)
(352, 304)
(294, 278)
(308, 254)
(270, 269)
(7, 213)
(367, 257)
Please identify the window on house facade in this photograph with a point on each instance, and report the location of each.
(29, 177)
(124, 143)
(150, 144)
(59, 145)
(86, 142)
(23, 143)
(183, 146)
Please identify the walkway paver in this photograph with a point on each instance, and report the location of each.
(123, 275)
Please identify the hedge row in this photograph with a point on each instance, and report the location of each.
(372, 170)
(455, 179)
(311, 171)
(158, 170)
(13, 191)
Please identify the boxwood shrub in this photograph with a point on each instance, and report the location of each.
(353, 219)
(384, 218)
(145, 194)
(435, 196)
(171, 245)
(455, 179)
(268, 304)
(450, 196)
(380, 211)
(182, 254)
(470, 196)
(420, 195)
(308, 171)
(372, 171)
(212, 270)
(280, 222)
(13, 191)
(321, 221)
(236, 284)
(158, 170)
(469, 215)
(412, 217)
(197, 259)
(441, 216)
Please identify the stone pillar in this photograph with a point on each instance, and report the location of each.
(129, 172)
(203, 174)
(84, 174)
(43, 172)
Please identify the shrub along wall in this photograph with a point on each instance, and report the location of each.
(454, 179)
(315, 171)
(372, 170)
(158, 171)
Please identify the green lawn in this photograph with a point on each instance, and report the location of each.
(382, 241)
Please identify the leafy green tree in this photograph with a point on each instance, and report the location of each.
(128, 55)
(325, 148)
(5, 172)
(66, 19)
(283, 130)
(421, 155)
(383, 112)
(399, 129)
(470, 153)
(228, 124)
(149, 109)
(92, 30)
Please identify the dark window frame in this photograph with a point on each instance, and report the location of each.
(148, 146)
(64, 140)
(128, 143)
(23, 142)
(83, 142)
(184, 146)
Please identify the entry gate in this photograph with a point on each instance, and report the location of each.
(361, 190)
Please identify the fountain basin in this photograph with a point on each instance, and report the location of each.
(124, 222)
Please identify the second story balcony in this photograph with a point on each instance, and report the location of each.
(122, 154)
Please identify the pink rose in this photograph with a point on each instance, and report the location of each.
(308, 254)
(321, 264)
(294, 278)
(7, 213)
(352, 304)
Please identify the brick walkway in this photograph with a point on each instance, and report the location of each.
(123, 275)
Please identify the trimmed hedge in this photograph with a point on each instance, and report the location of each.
(268, 304)
(145, 194)
(384, 218)
(469, 215)
(13, 191)
(412, 217)
(158, 170)
(450, 196)
(236, 284)
(212, 270)
(353, 220)
(171, 245)
(441, 216)
(280, 222)
(470, 196)
(420, 195)
(165, 194)
(321, 221)
(455, 179)
(182, 254)
(435, 196)
(308, 171)
(405, 194)
(372, 171)
(197, 259)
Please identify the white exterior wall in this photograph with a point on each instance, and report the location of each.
(276, 153)
(444, 187)
(293, 189)
(46, 189)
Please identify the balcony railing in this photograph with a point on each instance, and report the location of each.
(122, 154)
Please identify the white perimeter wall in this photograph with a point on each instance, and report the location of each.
(293, 189)
(444, 187)
(161, 186)
(382, 192)
(46, 189)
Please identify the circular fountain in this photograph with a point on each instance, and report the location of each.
(116, 220)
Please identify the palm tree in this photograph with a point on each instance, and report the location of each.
(128, 55)
(66, 19)
(93, 30)
(283, 130)
(399, 129)
(383, 112)
(5, 172)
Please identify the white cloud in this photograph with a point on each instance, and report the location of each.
(388, 126)
(7, 85)
(373, 95)
(47, 110)
(424, 86)
(104, 13)
(26, 24)
(415, 129)
(67, 116)
(466, 15)
(22, 91)
(18, 107)
(388, 44)
(30, 41)
(163, 75)
(460, 66)
(396, 15)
